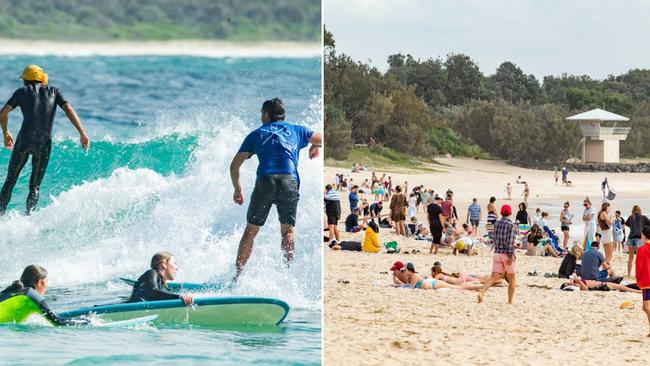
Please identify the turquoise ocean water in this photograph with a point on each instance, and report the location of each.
(163, 132)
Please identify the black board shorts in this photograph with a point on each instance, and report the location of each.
(333, 211)
(278, 189)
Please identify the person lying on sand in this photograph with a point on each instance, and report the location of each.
(589, 285)
(415, 280)
(455, 278)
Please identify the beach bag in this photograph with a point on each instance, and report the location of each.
(391, 247)
(384, 223)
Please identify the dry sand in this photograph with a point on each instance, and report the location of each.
(160, 48)
(371, 323)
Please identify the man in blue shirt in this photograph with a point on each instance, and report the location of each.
(277, 145)
(474, 214)
(592, 261)
(354, 200)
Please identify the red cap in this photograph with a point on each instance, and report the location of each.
(397, 266)
(506, 210)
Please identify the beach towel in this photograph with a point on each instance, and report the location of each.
(553, 238)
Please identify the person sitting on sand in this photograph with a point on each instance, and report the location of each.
(451, 233)
(592, 262)
(537, 245)
(589, 285)
(352, 222)
(371, 241)
(568, 266)
(415, 280)
(469, 230)
(417, 230)
(522, 215)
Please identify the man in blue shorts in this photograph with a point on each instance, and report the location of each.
(277, 145)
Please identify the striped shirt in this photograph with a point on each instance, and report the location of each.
(474, 212)
(504, 236)
(332, 195)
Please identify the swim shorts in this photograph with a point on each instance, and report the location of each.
(474, 222)
(499, 264)
(278, 189)
(646, 294)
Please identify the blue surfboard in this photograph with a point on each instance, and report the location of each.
(231, 311)
(187, 286)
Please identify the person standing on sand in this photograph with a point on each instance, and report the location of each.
(436, 219)
(474, 214)
(589, 219)
(557, 177)
(277, 145)
(643, 271)
(526, 193)
(491, 211)
(398, 205)
(605, 222)
(565, 175)
(37, 101)
(509, 191)
(504, 259)
(636, 222)
(565, 223)
(333, 212)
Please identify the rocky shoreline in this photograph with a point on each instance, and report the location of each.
(587, 167)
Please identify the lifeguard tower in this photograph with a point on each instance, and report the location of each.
(600, 144)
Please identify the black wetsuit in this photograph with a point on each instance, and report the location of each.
(38, 105)
(45, 308)
(150, 288)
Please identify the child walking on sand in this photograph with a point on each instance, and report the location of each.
(643, 270)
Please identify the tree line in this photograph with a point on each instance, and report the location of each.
(250, 20)
(437, 106)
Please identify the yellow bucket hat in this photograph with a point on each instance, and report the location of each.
(34, 73)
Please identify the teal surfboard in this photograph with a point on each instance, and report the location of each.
(128, 322)
(231, 311)
(186, 286)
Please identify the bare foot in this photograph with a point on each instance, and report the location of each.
(480, 297)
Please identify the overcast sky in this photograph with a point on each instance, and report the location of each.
(542, 37)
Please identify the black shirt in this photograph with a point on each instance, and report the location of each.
(38, 105)
(568, 266)
(636, 223)
(434, 211)
(522, 217)
(150, 288)
(375, 209)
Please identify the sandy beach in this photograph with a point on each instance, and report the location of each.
(201, 48)
(369, 322)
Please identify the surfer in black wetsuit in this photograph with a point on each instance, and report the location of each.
(24, 297)
(152, 284)
(37, 101)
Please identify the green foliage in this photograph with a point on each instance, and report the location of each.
(338, 134)
(251, 20)
(435, 106)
